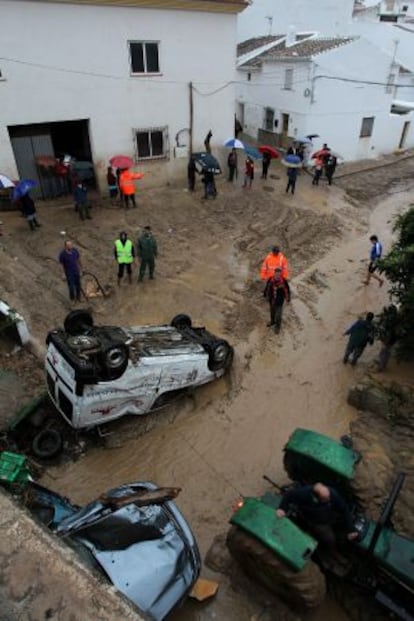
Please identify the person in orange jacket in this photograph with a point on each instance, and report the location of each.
(127, 186)
(275, 259)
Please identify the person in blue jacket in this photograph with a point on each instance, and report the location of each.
(374, 256)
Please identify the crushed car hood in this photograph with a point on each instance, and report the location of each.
(149, 552)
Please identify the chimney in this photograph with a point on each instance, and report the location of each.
(291, 36)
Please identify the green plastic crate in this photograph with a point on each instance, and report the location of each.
(13, 468)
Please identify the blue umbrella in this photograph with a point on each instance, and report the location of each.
(292, 161)
(234, 143)
(23, 187)
(252, 152)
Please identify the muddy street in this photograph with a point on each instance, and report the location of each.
(219, 442)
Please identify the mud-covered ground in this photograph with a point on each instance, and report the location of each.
(227, 435)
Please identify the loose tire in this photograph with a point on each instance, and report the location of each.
(303, 590)
(78, 322)
(47, 444)
(181, 321)
(220, 355)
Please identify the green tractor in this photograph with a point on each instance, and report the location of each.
(289, 561)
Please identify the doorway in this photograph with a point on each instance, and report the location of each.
(404, 134)
(55, 140)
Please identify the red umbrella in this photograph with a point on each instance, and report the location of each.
(270, 150)
(321, 153)
(121, 161)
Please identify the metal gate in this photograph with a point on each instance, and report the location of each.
(26, 149)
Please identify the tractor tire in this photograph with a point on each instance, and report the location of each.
(220, 355)
(181, 321)
(303, 590)
(47, 444)
(78, 322)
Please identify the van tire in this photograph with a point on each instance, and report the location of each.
(78, 322)
(181, 321)
(220, 355)
(47, 444)
(114, 360)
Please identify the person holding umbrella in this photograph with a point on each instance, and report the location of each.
(292, 175)
(266, 157)
(26, 203)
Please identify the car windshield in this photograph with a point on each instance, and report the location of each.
(123, 529)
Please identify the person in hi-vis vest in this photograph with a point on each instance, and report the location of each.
(124, 254)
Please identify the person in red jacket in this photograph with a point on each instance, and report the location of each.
(274, 259)
(127, 186)
(278, 292)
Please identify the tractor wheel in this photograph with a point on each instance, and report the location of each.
(303, 590)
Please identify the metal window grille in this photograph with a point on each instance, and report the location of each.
(269, 119)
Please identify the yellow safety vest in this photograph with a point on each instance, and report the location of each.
(124, 252)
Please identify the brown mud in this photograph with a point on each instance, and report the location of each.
(219, 442)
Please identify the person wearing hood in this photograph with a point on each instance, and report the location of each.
(124, 255)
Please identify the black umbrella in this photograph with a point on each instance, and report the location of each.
(310, 136)
(207, 162)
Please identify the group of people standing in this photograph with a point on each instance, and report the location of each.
(124, 254)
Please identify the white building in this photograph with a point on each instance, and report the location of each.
(264, 17)
(340, 88)
(144, 78)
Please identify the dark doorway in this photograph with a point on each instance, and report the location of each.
(56, 140)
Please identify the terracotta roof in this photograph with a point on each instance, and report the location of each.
(213, 6)
(303, 49)
(252, 44)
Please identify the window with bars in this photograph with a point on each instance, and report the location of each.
(367, 127)
(144, 57)
(151, 143)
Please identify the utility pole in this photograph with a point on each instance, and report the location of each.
(190, 85)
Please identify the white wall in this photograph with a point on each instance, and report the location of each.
(60, 47)
(326, 16)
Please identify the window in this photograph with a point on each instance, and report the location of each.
(144, 57)
(249, 77)
(367, 126)
(288, 79)
(269, 119)
(151, 143)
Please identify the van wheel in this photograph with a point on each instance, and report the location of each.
(114, 360)
(220, 355)
(181, 321)
(78, 322)
(47, 444)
